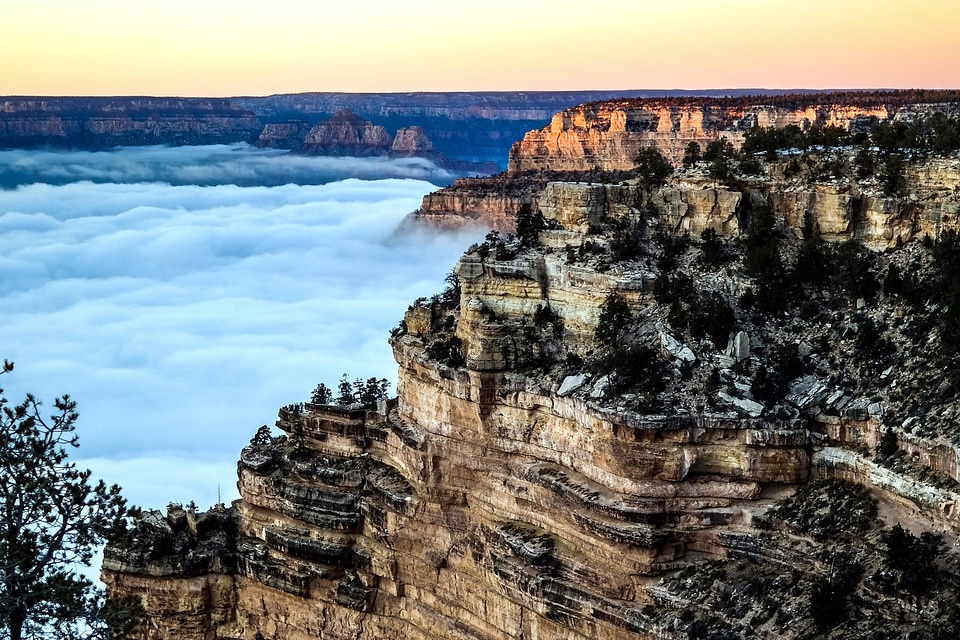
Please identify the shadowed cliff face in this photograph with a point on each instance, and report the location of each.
(106, 122)
(546, 471)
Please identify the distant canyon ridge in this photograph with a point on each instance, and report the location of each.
(468, 132)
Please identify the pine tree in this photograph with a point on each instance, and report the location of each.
(52, 521)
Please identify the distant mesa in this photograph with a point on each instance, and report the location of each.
(347, 134)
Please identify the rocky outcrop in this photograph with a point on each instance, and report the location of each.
(105, 122)
(471, 203)
(692, 202)
(410, 142)
(608, 135)
(346, 134)
(287, 135)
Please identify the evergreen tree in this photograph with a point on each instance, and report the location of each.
(321, 395)
(691, 155)
(52, 521)
(345, 389)
(652, 167)
(614, 315)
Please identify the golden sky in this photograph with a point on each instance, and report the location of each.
(232, 47)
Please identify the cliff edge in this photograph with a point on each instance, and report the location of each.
(697, 409)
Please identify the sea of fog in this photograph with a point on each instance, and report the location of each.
(181, 295)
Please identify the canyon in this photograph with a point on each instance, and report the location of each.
(582, 444)
(473, 128)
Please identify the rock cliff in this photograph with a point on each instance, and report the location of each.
(608, 135)
(844, 206)
(283, 135)
(693, 410)
(346, 134)
(471, 127)
(105, 122)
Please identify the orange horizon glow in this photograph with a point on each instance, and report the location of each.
(220, 48)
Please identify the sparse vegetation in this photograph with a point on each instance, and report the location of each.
(652, 167)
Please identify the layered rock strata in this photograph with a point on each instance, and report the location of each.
(346, 134)
(843, 208)
(105, 122)
(285, 135)
(608, 135)
(507, 492)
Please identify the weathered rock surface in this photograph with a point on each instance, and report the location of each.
(411, 141)
(287, 135)
(346, 134)
(608, 135)
(534, 480)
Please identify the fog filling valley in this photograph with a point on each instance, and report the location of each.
(181, 295)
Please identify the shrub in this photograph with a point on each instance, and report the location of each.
(635, 367)
(652, 167)
(530, 224)
(914, 559)
(712, 316)
(888, 445)
(828, 599)
(614, 316)
(712, 251)
(691, 155)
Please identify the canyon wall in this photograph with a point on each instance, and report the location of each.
(106, 122)
(691, 202)
(573, 454)
(498, 497)
(463, 126)
(608, 135)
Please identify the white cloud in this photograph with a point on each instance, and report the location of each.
(181, 317)
(239, 164)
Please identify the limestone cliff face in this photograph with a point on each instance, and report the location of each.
(471, 204)
(690, 202)
(481, 505)
(842, 209)
(508, 492)
(608, 135)
(102, 122)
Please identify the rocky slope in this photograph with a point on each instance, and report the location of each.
(106, 122)
(346, 134)
(601, 429)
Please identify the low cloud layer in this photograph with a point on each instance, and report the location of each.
(239, 164)
(181, 317)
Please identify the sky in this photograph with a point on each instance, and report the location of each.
(181, 316)
(229, 48)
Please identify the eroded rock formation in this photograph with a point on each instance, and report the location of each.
(600, 431)
(608, 135)
(346, 134)
(283, 135)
